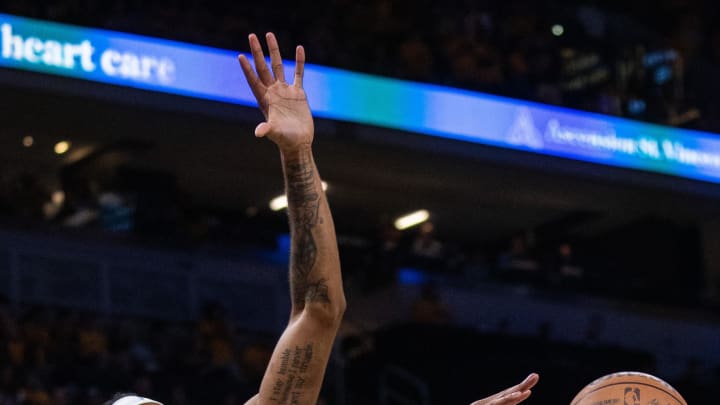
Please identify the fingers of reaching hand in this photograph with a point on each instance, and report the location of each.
(512, 398)
(259, 59)
(257, 87)
(260, 82)
(264, 78)
(502, 398)
(299, 66)
(513, 395)
(528, 383)
(275, 58)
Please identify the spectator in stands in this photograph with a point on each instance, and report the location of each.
(429, 308)
(415, 60)
(518, 262)
(216, 337)
(426, 251)
(564, 270)
(60, 396)
(23, 195)
(92, 340)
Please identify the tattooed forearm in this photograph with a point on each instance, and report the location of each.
(303, 209)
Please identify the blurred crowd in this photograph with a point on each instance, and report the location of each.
(136, 206)
(650, 60)
(59, 356)
(625, 263)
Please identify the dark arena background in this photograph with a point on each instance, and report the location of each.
(561, 160)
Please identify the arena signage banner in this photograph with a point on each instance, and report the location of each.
(208, 73)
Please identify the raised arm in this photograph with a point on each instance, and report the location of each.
(297, 366)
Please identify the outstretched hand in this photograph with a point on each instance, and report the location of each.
(288, 122)
(513, 395)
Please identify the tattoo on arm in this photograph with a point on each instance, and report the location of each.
(291, 377)
(315, 291)
(303, 210)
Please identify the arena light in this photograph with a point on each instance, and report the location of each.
(412, 219)
(557, 30)
(280, 202)
(62, 147)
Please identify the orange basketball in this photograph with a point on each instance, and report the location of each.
(628, 388)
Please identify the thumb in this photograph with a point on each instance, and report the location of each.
(262, 129)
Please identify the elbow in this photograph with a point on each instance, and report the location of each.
(329, 313)
(342, 306)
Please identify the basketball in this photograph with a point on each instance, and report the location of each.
(628, 388)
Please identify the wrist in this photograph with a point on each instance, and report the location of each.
(289, 151)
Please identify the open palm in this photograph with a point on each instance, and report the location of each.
(288, 122)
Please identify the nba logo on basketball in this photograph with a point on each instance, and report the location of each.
(624, 388)
(632, 396)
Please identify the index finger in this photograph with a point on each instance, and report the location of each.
(253, 80)
(528, 383)
(275, 59)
